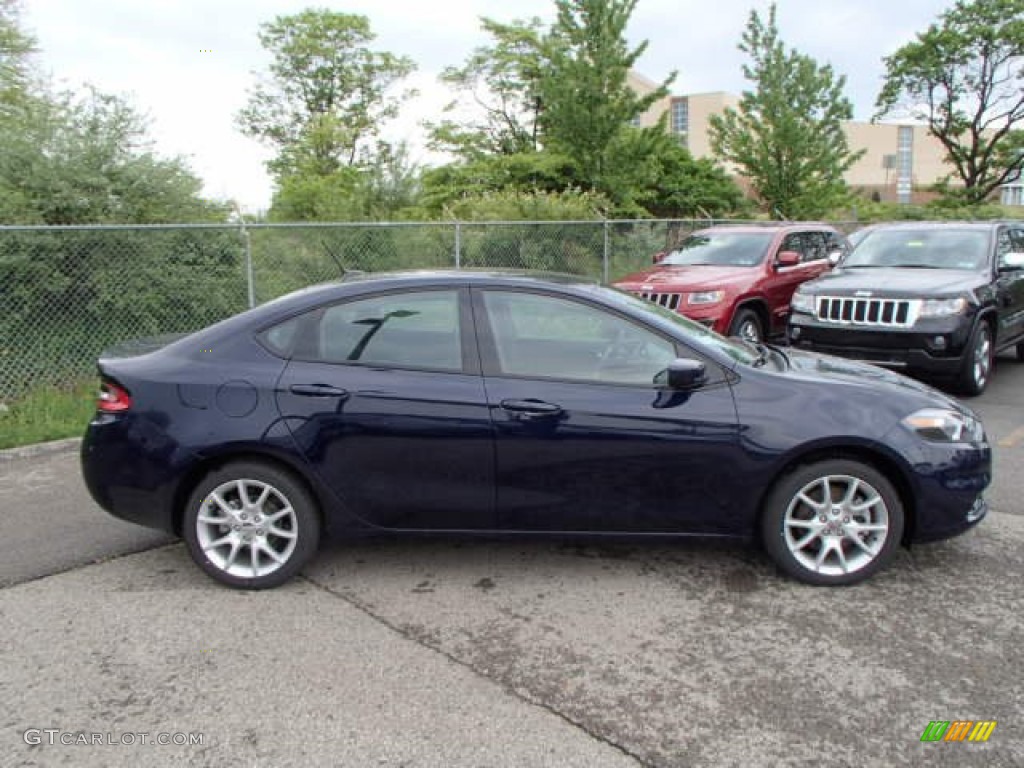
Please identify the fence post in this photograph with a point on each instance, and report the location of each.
(458, 244)
(606, 255)
(247, 244)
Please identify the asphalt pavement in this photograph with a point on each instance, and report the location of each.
(456, 653)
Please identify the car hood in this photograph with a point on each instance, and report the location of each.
(879, 382)
(895, 281)
(684, 279)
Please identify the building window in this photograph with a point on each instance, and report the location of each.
(681, 119)
(905, 164)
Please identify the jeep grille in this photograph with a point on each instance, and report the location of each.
(890, 313)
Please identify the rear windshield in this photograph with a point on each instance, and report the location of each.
(922, 248)
(728, 249)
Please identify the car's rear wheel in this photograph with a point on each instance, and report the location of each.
(251, 525)
(747, 326)
(1020, 351)
(977, 367)
(833, 522)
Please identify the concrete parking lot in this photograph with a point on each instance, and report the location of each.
(483, 653)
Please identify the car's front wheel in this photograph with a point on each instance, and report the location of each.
(978, 360)
(832, 522)
(747, 326)
(251, 525)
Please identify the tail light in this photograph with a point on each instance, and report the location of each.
(113, 398)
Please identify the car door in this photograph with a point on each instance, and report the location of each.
(584, 441)
(1010, 285)
(784, 281)
(385, 400)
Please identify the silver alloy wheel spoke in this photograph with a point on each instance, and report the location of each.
(841, 532)
(262, 520)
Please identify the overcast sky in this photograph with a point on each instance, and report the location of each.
(155, 52)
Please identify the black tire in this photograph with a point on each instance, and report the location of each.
(747, 326)
(284, 520)
(795, 533)
(979, 357)
(1020, 351)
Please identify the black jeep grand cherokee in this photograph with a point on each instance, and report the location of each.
(933, 299)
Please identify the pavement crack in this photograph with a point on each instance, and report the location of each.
(423, 641)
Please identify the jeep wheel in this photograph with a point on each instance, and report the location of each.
(978, 359)
(747, 326)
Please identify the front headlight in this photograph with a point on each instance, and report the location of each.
(942, 426)
(705, 297)
(802, 302)
(942, 307)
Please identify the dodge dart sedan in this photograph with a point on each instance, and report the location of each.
(481, 403)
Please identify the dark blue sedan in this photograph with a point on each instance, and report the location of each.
(465, 403)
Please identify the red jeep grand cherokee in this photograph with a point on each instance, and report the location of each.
(738, 280)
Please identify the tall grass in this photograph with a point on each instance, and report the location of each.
(48, 413)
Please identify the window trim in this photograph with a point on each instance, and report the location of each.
(491, 367)
(312, 316)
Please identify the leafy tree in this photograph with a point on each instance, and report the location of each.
(327, 92)
(964, 76)
(787, 135)
(587, 102)
(502, 81)
(16, 48)
(650, 174)
(87, 160)
(523, 173)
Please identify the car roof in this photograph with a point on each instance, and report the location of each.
(767, 226)
(469, 275)
(982, 225)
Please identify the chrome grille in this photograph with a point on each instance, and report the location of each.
(667, 300)
(848, 310)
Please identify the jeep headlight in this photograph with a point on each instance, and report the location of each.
(802, 302)
(943, 426)
(705, 297)
(942, 307)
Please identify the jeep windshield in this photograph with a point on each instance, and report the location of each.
(965, 249)
(726, 249)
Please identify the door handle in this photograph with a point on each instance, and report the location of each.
(317, 390)
(531, 409)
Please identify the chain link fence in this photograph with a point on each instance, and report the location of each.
(69, 292)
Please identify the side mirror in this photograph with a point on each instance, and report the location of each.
(1011, 261)
(659, 257)
(834, 257)
(683, 374)
(787, 259)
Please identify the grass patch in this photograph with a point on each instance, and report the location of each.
(48, 413)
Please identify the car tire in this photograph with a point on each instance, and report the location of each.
(747, 326)
(1020, 352)
(837, 539)
(979, 357)
(251, 525)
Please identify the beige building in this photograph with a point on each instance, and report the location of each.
(900, 162)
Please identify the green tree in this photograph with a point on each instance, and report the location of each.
(88, 160)
(650, 174)
(327, 92)
(787, 134)
(964, 76)
(587, 101)
(16, 48)
(502, 81)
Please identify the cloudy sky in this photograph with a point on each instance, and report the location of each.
(188, 63)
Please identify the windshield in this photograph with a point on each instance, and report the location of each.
(730, 249)
(922, 248)
(701, 335)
